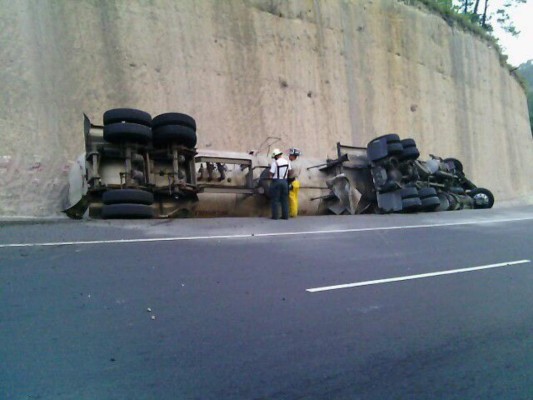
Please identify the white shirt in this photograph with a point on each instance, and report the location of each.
(280, 168)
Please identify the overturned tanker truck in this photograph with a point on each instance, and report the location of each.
(136, 166)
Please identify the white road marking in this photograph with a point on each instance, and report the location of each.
(259, 235)
(114, 241)
(420, 276)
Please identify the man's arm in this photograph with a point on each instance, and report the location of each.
(290, 172)
(272, 170)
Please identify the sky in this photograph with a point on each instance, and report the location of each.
(519, 48)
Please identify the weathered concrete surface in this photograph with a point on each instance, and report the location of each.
(310, 72)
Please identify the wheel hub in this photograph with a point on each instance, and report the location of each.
(481, 199)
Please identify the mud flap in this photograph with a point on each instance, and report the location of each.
(78, 210)
(76, 201)
(347, 197)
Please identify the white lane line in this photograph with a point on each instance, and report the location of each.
(420, 276)
(250, 235)
(169, 239)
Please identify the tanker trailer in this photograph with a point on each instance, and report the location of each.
(138, 167)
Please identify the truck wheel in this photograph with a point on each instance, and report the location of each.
(483, 198)
(456, 190)
(132, 196)
(410, 151)
(395, 148)
(427, 192)
(126, 210)
(444, 202)
(117, 115)
(411, 204)
(391, 137)
(383, 146)
(458, 165)
(409, 192)
(430, 203)
(180, 135)
(375, 152)
(408, 142)
(454, 202)
(127, 132)
(174, 119)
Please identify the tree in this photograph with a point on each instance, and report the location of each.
(480, 12)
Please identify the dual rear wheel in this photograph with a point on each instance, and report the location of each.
(122, 125)
(127, 203)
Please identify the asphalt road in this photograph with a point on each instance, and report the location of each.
(227, 308)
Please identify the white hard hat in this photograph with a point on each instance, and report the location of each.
(276, 152)
(293, 151)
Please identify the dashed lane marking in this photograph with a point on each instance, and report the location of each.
(420, 276)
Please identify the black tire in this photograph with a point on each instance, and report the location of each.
(444, 202)
(409, 153)
(412, 204)
(454, 202)
(117, 115)
(174, 119)
(483, 198)
(126, 210)
(430, 203)
(456, 190)
(127, 132)
(177, 134)
(458, 165)
(409, 192)
(390, 138)
(408, 143)
(384, 146)
(376, 152)
(131, 196)
(389, 186)
(427, 192)
(394, 148)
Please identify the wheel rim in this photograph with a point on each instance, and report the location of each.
(481, 199)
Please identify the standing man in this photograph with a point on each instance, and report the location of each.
(279, 188)
(294, 183)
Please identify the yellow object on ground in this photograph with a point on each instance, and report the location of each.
(293, 199)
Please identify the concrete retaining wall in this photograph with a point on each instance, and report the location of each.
(309, 72)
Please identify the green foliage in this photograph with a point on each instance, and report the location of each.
(450, 13)
(473, 14)
(477, 11)
(526, 70)
(503, 19)
(470, 16)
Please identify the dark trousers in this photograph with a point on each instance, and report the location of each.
(279, 195)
